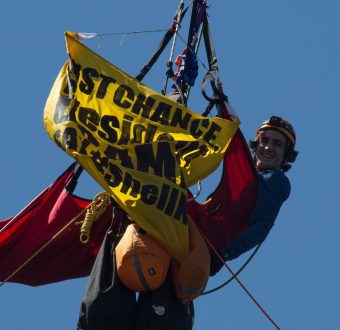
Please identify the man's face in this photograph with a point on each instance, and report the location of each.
(270, 150)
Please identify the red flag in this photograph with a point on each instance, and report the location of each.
(32, 233)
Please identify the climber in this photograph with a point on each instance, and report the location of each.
(274, 151)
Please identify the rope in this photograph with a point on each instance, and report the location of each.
(239, 282)
(237, 273)
(81, 213)
(96, 209)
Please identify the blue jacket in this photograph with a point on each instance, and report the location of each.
(273, 190)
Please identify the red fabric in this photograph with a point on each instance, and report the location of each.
(227, 213)
(221, 219)
(65, 257)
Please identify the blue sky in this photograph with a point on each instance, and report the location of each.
(275, 57)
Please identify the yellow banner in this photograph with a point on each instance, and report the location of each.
(140, 146)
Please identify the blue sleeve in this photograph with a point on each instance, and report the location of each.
(273, 190)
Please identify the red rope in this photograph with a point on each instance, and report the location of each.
(239, 282)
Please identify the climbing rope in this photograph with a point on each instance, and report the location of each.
(95, 210)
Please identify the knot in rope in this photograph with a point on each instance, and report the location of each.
(95, 210)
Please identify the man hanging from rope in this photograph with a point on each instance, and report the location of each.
(273, 150)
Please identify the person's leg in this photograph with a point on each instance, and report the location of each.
(162, 310)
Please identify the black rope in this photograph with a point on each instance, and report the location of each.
(236, 274)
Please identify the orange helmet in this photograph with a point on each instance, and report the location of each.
(279, 124)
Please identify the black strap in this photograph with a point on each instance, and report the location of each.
(218, 98)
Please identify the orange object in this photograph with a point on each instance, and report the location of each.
(191, 276)
(142, 264)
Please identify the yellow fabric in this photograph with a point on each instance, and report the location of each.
(141, 147)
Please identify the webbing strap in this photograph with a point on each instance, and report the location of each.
(140, 274)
